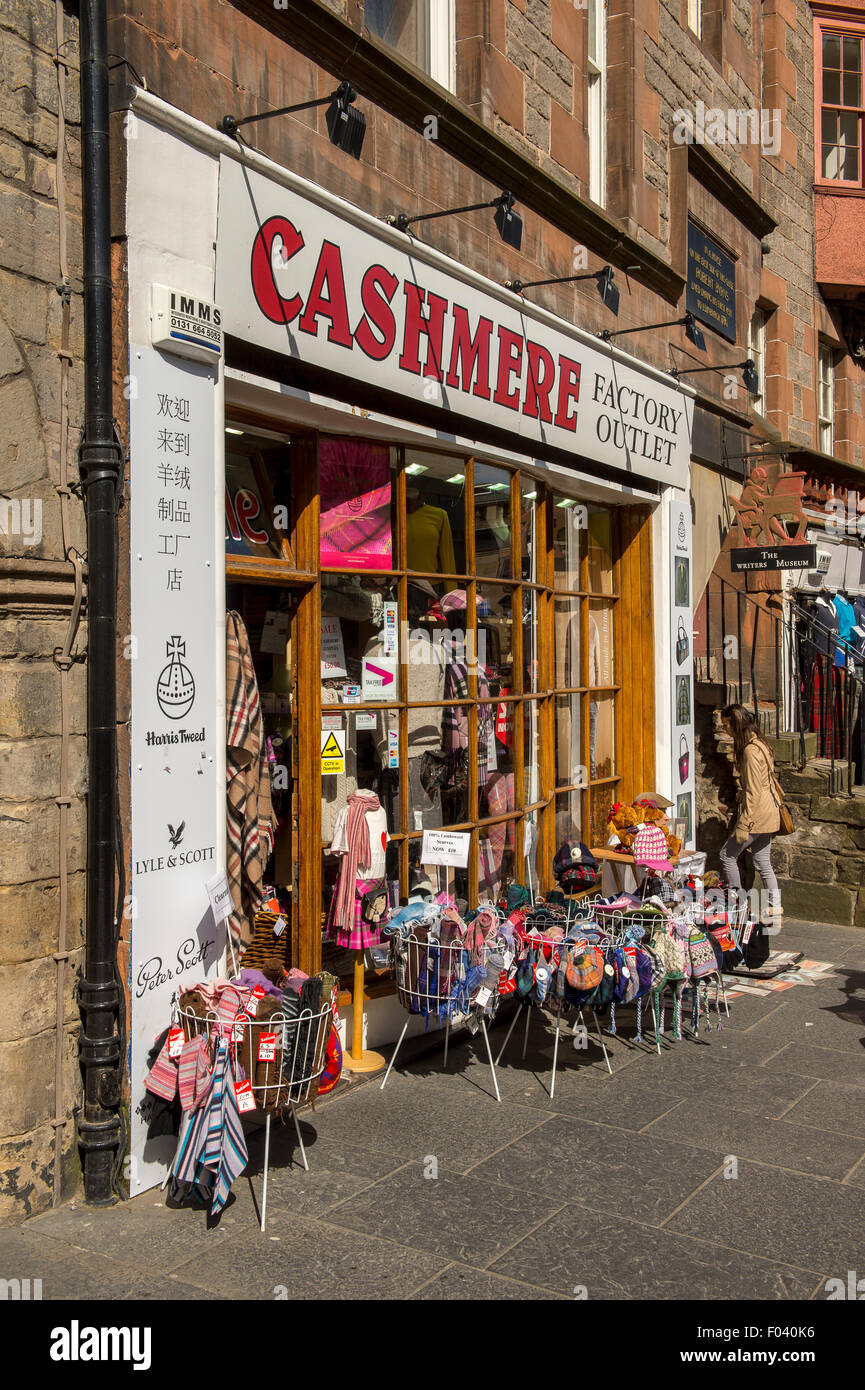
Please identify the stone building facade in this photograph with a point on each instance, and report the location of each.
(517, 110)
(42, 675)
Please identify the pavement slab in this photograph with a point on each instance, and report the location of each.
(812, 1223)
(595, 1255)
(723, 1131)
(568, 1155)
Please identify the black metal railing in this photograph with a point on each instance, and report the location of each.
(769, 668)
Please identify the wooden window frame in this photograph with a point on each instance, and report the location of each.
(824, 24)
(631, 588)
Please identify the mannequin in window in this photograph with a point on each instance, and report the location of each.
(429, 540)
(360, 840)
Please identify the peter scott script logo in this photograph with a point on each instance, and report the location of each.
(175, 688)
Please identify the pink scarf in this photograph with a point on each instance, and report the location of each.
(358, 852)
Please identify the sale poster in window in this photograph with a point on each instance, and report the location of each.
(355, 483)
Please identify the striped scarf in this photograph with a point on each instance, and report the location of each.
(358, 852)
(212, 1150)
(249, 813)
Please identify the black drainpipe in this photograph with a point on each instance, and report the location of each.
(100, 460)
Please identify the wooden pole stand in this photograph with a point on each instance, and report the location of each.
(357, 1060)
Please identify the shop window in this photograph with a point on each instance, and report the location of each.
(492, 522)
(757, 352)
(357, 504)
(435, 514)
(569, 544)
(840, 104)
(597, 99)
(258, 515)
(421, 31)
(826, 399)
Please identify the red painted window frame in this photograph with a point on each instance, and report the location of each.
(828, 22)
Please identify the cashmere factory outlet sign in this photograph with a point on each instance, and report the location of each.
(326, 284)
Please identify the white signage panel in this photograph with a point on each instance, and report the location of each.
(176, 799)
(445, 847)
(682, 675)
(336, 290)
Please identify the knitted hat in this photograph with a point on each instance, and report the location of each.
(650, 848)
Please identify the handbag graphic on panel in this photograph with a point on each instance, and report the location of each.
(684, 759)
(682, 645)
(683, 699)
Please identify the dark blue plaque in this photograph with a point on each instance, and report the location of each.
(711, 295)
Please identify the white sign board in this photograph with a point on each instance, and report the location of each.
(184, 324)
(445, 847)
(219, 894)
(378, 678)
(682, 674)
(177, 796)
(321, 281)
(332, 649)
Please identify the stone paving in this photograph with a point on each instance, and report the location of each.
(619, 1188)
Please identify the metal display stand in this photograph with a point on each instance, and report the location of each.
(286, 1081)
(413, 970)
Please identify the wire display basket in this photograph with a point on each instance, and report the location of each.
(433, 981)
(281, 1056)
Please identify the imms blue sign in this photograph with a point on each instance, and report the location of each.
(711, 295)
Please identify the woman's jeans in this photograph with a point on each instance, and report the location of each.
(761, 853)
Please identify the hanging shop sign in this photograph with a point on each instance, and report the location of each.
(177, 889)
(786, 557)
(184, 324)
(306, 275)
(711, 292)
(682, 670)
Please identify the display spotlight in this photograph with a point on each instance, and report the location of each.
(346, 126)
(509, 224)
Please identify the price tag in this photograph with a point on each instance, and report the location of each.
(279, 926)
(506, 986)
(483, 997)
(508, 960)
(267, 1047)
(240, 1023)
(252, 1003)
(175, 1041)
(243, 1094)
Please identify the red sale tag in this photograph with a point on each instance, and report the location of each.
(175, 1041)
(506, 986)
(244, 1096)
(266, 1047)
(252, 1002)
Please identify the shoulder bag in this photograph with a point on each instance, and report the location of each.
(786, 826)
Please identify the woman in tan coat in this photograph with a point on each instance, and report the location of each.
(758, 813)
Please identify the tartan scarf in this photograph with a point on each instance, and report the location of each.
(358, 852)
(455, 720)
(249, 818)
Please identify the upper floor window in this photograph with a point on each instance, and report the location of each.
(597, 108)
(757, 353)
(826, 400)
(422, 31)
(695, 17)
(840, 103)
